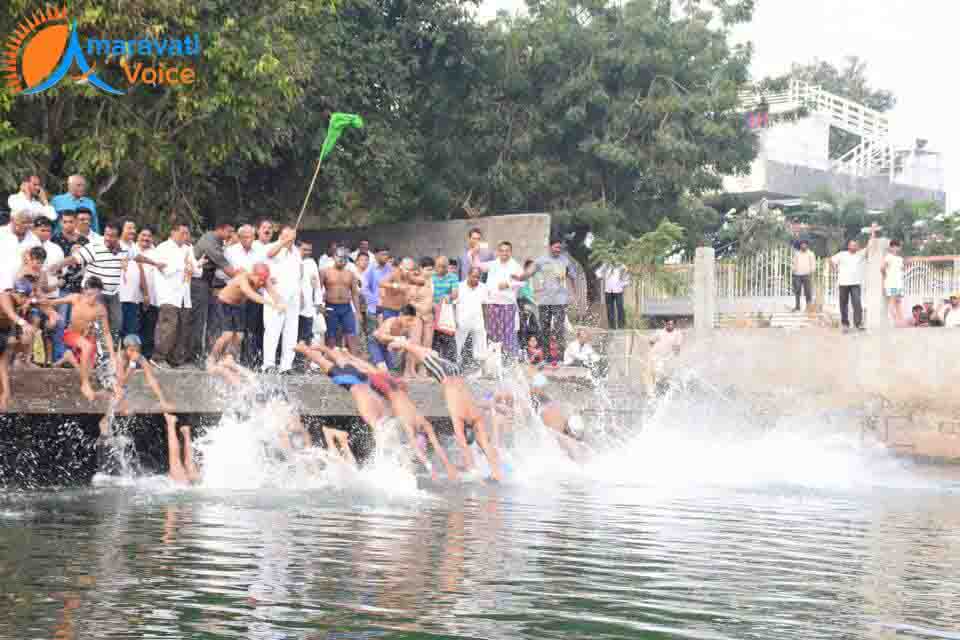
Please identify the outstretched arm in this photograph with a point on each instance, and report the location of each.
(107, 337)
(253, 295)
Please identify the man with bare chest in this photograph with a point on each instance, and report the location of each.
(342, 300)
(86, 309)
(394, 290)
(233, 299)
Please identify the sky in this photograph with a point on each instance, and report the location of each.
(908, 46)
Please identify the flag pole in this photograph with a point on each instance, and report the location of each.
(309, 191)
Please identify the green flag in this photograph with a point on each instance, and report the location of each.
(338, 122)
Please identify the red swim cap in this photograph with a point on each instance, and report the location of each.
(261, 270)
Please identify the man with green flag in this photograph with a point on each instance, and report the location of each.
(338, 122)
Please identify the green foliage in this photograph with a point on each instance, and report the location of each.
(643, 256)
(609, 115)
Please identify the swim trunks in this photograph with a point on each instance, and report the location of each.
(346, 376)
(385, 384)
(76, 340)
(340, 316)
(233, 317)
(440, 368)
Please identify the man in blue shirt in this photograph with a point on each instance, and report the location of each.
(372, 278)
(76, 198)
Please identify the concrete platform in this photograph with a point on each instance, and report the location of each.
(57, 391)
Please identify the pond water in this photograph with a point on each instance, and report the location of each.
(680, 533)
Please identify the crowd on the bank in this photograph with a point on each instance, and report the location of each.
(850, 265)
(257, 290)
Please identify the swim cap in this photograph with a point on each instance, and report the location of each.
(23, 286)
(261, 270)
(132, 340)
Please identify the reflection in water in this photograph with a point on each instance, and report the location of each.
(573, 561)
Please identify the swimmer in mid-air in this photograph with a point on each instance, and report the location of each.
(464, 412)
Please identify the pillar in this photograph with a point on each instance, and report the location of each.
(874, 304)
(704, 291)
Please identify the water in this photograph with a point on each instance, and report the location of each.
(699, 527)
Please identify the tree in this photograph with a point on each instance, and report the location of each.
(643, 257)
(850, 82)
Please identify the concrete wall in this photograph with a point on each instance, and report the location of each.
(529, 233)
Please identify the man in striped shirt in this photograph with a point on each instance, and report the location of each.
(107, 260)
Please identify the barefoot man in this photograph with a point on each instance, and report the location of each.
(390, 329)
(79, 336)
(233, 298)
(342, 300)
(463, 410)
(14, 304)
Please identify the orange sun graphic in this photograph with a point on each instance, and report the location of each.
(41, 45)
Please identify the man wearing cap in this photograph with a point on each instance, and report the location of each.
(76, 199)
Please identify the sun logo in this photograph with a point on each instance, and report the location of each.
(41, 51)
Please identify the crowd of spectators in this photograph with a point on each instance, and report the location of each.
(165, 291)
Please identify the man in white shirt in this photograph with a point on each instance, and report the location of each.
(504, 278)
(243, 255)
(285, 264)
(15, 239)
(43, 231)
(804, 265)
(580, 353)
(472, 294)
(150, 309)
(615, 279)
(264, 237)
(311, 295)
(32, 198)
(851, 267)
(172, 284)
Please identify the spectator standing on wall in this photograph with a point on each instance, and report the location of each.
(504, 279)
(378, 271)
(615, 279)
(15, 239)
(311, 296)
(150, 308)
(445, 285)
(892, 272)
(172, 283)
(559, 274)
(477, 251)
(211, 245)
(43, 231)
(133, 285)
(472, 295)
(32, 199)
(284, 261)
(804, 265)
(75, 199)
(264, 236)
(72, 276)
(851, 267)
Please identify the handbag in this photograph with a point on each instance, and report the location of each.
(445, 321)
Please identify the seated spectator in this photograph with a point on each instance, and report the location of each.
(32, 199)
(580, 353)
(918, 317)
(951, 314)
(534, 353)
(76, 199)
(554, 355)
